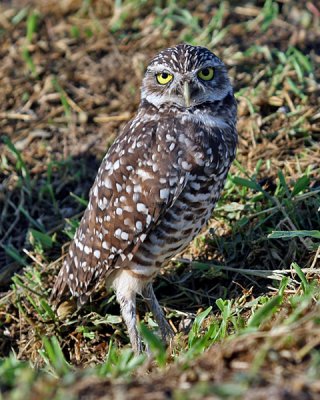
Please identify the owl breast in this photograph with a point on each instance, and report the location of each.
(210, 158)
(180, 225)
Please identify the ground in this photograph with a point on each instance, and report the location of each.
(244, 298)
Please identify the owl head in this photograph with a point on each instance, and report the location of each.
(185, 76)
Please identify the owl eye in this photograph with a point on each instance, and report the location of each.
(206, 74)
(164, 77)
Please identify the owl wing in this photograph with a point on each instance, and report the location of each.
(140, 177)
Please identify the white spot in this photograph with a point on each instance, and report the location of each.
(135, 197)
(142, 237)
(105, 245)
(95, 191)
(173, 181)
(172, 146)
(139, 226)
(195, 185)
(87, 249)
(102, 203)
(96, 253)
(108, 165)
(124, 235)
(119, 187)
(186, 165)
(148, 220)
(128, 189)
(144, 174)
(198, 197)
(108, 183)
(117, 233)
(137, 188)
(119, 211)
(164, 194)
(116, 165)
(142, 208)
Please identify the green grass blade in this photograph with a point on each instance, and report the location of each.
(156, 346)
(265, 312)
(304, 283)
(32, 25)
(21, 165)
(293, 234)
(302, 184)
(14, 253)
(55, 356)
(246, 183)
(196, 326)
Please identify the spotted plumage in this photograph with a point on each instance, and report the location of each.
(157, 185)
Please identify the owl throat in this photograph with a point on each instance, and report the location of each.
(211, 114)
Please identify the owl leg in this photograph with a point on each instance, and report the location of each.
(152, 302)
(127, 303)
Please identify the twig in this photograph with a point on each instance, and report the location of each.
(17, 116)
(274, 274)
(33, 258)
(100, 119)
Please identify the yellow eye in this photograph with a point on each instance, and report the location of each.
(206, 74)
(163, 78)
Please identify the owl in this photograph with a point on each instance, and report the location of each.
(157, 185)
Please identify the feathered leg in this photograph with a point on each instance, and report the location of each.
(127, 303)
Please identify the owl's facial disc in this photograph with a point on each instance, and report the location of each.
(186, 76)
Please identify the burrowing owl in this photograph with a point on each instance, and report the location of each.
(157, 185)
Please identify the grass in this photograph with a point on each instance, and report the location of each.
(244, 298)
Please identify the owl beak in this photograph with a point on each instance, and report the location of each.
(186, 93)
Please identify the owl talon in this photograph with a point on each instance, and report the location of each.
(166, 331)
